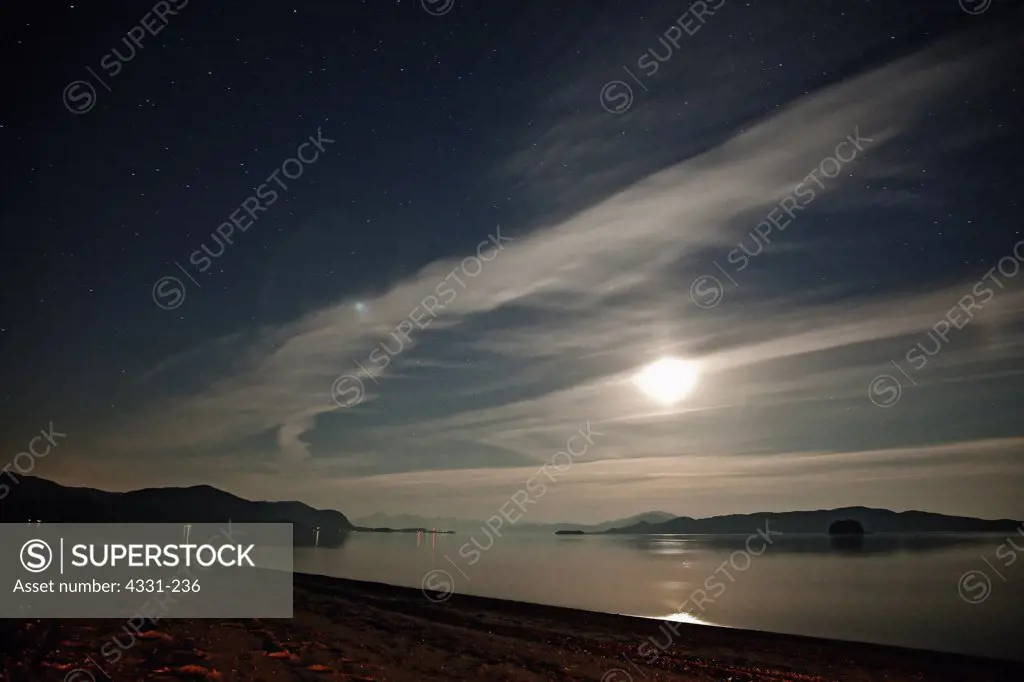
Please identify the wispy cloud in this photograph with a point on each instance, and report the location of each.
(570, 309)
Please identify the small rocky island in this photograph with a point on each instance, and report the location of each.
(569, 532)
(846, 527)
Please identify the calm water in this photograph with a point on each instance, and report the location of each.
(901, 590)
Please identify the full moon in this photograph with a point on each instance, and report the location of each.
(668, 380)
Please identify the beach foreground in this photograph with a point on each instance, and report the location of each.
(348, 630)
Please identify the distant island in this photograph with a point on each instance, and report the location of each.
(818, 521)
(846, 527)
(569, 532)
(363, 529)
(463, 525)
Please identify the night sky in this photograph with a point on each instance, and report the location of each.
(573, 190)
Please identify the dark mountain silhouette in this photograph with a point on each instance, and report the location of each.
(646, 517)
(818, 521)
(35, 498)
(470, 525)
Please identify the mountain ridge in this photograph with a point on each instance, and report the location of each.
(38, 498)
(874, 520)
(381, 519)
(34, 498)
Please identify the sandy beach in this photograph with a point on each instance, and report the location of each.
(347, 630)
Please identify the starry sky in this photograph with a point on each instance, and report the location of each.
(541, 198)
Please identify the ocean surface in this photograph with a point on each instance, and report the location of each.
(959, 593)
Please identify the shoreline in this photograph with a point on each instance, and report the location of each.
(353, 630)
